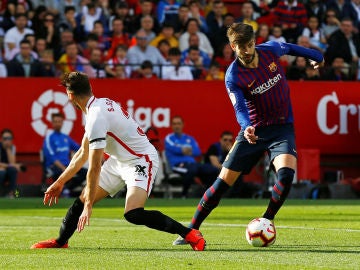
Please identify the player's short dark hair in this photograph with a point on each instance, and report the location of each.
(76, 82)
(240, 33)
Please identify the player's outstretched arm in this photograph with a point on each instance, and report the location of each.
(53, 193)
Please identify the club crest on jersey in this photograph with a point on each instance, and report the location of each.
(273, 67)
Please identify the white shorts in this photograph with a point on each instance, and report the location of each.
(140, 173)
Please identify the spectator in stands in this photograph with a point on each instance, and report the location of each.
(196, 63)
(70, 23)
(344, 43)
(91, 13)
(167, 33)
(344, 9)
(49, 31)
(9, 168)
(214, 18)
(338, 71)
(103, 37)
(192, 27)
(167, 10)
(142, 51)
(72, 61)
(297, 69)
(330, 24)
(164, 47)
(122, 13)
(276, 34)
(220, 37)
(118, 37)
(181, 151)
(119, 59)
(195, 12)
(119, 72)
(66, 37)
(262, 34)
(8, 17)
(174, 70)
(215, 73)
(311, 74)
(316, 8)
(226, 57)
(146, 8)
(58, 148)
(24, 64)
(40, 45)
(315, 34)
(292, 17)
(31, 39)
(14, 35)
(354, 13)
(92, 42)
(218, 151)
(147, 24)
(46, 58)
(97, 63)
(145, 71)
(179, 21)
(247, 15)
(194, 40)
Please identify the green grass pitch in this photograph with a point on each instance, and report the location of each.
(311, 234)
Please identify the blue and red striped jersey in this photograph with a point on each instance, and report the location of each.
(261, 96)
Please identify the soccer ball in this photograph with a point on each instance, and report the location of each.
(260, 232)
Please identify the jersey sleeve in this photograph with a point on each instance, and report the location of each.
(280, 49)
(237, 99)
(96, 129)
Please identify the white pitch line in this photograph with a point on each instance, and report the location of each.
(206, 224)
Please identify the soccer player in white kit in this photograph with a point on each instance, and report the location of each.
(133, 161)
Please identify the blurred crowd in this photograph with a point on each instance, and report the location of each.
(173, 40)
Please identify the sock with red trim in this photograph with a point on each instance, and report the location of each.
(280, 191)
(208, 202)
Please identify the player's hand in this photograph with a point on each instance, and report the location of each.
(84, 219)
(249, 135)
(317, 65)
(53, 193)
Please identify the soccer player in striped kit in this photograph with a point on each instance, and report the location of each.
(260, 94)
(133, 161)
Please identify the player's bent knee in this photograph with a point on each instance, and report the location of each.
(286, 175)
(135, 216)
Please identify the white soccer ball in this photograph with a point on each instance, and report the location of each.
(260, 232)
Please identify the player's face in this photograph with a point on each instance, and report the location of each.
(245, 52)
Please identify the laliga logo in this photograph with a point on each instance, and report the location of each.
(48, 103)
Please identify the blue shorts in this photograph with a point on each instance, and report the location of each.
(274, 139)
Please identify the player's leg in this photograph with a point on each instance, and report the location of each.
(136, 214)
(283, 155)
(285, 165)
(212, 196)
(70, 221)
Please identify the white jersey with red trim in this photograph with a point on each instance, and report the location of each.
(110, 127)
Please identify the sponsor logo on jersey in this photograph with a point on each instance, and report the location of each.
(273, 67)
(267, 85)
(140, 170)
